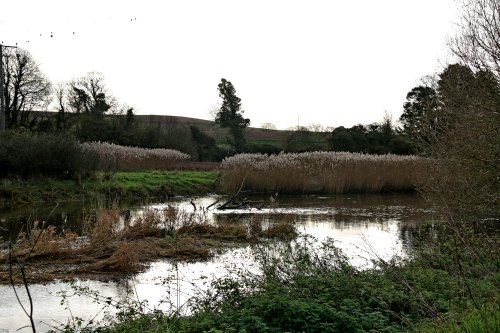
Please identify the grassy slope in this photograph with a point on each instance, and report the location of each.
(123, 185)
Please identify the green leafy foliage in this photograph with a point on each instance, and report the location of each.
(205, 146)
(302, 289)
(421, 103)
(484, 320)
(371, 139)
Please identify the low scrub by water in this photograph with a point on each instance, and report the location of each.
(111, 246)
(305, 288)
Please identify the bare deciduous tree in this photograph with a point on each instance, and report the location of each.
(478, 42)
(464, 142)
(268, 126)
(61, 96)
(317, 127)
(26, 88)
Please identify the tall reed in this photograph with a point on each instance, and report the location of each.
(115, 157)
(322, 172)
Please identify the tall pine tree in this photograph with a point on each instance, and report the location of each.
(230, 115)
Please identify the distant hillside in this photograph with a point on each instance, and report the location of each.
(155, 120)
(210, 127)
(253, 134)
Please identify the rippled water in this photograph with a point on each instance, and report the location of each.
(363, 226)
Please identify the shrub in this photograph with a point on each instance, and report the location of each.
(28, 155)
(306, 290)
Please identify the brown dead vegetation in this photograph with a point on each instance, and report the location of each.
(112, 248)
(281, 230)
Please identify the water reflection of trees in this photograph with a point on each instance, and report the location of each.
(417, 236)
(73, 217)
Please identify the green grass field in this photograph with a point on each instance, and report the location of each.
(181, 182)
(128, 185)
(274, 143)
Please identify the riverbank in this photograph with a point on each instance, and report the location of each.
(306, 290)
(306, 173)
(131, 186)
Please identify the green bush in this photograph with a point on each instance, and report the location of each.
(263, 148)
(304, 291)
(484, 320)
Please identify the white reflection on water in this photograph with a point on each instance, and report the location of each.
(362, 230)
(47, 305)
(164, 281)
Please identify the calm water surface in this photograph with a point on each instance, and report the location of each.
(363, 226)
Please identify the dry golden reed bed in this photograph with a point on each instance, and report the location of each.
(322, 172)
(112, 157)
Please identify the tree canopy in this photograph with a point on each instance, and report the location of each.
(420, 101)
(230, 114)
(380, 138)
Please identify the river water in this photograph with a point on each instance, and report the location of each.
(363, 226)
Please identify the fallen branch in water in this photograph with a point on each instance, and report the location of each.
(237, 202)
(240, 203)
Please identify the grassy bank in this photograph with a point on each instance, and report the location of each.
(129, 186)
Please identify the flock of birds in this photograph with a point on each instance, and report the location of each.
(52, 33)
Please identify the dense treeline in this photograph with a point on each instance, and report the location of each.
(372, 139)
(87, 112)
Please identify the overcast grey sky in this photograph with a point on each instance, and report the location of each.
(331, 62)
